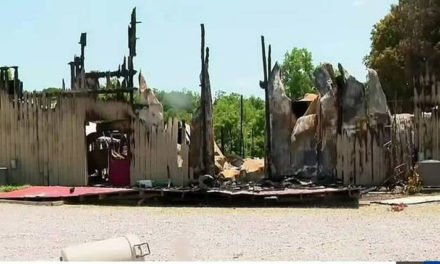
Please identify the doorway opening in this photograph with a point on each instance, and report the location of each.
(108, 153)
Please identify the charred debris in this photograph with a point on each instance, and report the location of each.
(341, 138)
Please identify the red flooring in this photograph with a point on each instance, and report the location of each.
(59, 192)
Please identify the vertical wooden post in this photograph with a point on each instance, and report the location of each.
(16, 82)
(206, 111)
(83, 43)
(202, 96)
(72, 75)
(263, 85)
(132, 48)
(241, 128)
(339, 93)
(222, 139)
(231, 142)
(252, 142)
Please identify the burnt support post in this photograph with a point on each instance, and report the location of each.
(72, 75)
(231, 142)
(263, 84)
(206, 111)
(2, 78)
(222, 139)
(77, 71)
(341, 83)
(17, 87)
(79, 76)
(241, 128)
(132, 48)
(252, 142)
(83, 43)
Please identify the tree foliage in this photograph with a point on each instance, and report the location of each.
(297, 72)
(180, 104)
(113, 85)
(227, 124)
(402, 42)
(51, 90)
(10, 75)
(176, 104)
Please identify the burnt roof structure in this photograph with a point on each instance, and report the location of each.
(83, 80)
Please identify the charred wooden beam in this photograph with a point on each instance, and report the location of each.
(108, 91)
(127, 71)
(83, 43)
(1, 79)
(206, 111)
(16, 82)
(101, 91)
(72, 75)
(341, 83)
(122, 125)
(241, 128)
(132, 47)
(119, 73)
(263, 84)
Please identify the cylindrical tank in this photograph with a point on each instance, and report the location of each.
(127, 248)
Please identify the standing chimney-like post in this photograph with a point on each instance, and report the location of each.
(241, 128)
(263, 85)
(206, 111)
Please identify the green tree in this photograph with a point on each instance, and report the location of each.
(227, 122)
(297, 72)
(179, 104)
(402, 42)
(113, 85)
(386, 55)
(51, 90)
(10, 75)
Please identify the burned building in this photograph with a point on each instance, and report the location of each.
(342, 135)
(75, 137)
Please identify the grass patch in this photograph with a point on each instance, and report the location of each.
(10, 188)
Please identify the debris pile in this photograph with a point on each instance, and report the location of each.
(414, 183)
(232, 168)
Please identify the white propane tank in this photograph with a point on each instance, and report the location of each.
(127, 248)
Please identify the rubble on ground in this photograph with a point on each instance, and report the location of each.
(234, 168)
(311, 125)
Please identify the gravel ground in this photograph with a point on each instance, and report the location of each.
(369, 233)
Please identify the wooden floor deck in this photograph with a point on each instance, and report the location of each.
(179, 195)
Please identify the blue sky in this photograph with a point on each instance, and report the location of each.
(42, 36)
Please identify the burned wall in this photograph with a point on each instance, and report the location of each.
(362, 155)
(343, 139)
(281, 125)
(202, 131)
